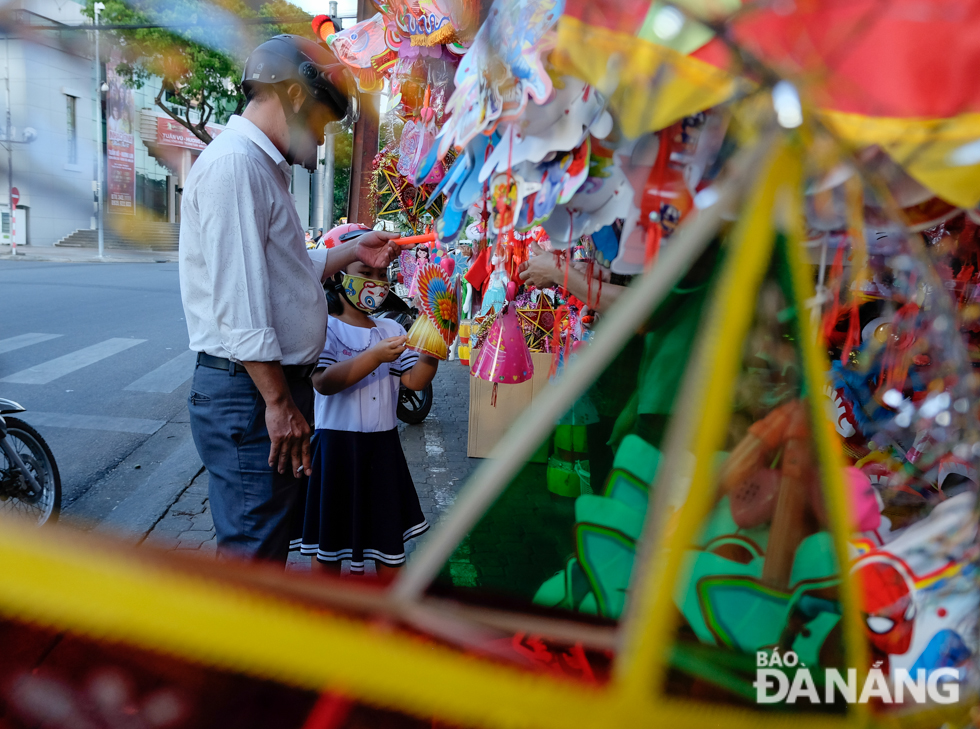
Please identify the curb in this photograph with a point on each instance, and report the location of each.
(150, 500)
(34, 257)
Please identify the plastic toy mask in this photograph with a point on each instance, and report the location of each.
(888, 608)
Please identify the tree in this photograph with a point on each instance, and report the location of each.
(343, 144)
(199, 58)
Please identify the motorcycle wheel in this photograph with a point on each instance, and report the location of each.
(37, 456)
(413, 406)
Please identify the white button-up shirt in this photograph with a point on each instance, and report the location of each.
(250, 289)
(368, 406)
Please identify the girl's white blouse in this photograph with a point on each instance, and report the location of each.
(368, 406)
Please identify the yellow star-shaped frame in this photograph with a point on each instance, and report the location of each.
(533, 325)
(397, 196)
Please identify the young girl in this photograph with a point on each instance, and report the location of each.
(361, 501)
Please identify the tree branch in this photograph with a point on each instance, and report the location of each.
(205, 118)
(197, 130)
(200, 134)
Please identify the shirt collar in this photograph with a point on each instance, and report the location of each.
(248, 129)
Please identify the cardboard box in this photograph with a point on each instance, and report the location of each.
(488, 423)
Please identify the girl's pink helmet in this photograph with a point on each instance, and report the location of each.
(341, 234)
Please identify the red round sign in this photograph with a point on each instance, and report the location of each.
(14, 196)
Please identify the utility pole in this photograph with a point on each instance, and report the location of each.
(317, 189)
(10, 149)
(359, 203)
(98, 131)
(328, 179)
(326, 190)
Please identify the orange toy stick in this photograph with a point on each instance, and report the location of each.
(764, 437)
(411, 240)
(789, 520)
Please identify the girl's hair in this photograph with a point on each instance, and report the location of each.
(332, 289)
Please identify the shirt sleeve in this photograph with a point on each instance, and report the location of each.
(234, 201)
(319, 257)
(330, 350)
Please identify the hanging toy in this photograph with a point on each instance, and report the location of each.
(421, 260)
(666, 198)
(495, 295)
(504, 357)
(436, 327)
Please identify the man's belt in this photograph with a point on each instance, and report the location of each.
(292, 372)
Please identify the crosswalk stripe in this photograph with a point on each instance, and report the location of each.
(94, 422)
(24, 340)
(53, 369)
(168, 376)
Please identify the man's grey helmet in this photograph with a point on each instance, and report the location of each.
(294, 58)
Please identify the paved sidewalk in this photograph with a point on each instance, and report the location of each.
(435, 451)
(85, 255)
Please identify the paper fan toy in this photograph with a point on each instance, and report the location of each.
(438, 324)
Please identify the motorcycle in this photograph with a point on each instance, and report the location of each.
(30, 484)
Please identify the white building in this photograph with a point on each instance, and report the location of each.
(51, 74)
(51, 81)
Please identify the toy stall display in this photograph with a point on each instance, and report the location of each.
(757, 548)
(408, 50)
(758, 510)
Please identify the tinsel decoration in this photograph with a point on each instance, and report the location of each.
(395, 198)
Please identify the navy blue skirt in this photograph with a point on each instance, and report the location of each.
(361, 502)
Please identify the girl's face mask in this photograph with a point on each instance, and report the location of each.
(367, 294)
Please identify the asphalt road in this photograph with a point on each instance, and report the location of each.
(97, 353)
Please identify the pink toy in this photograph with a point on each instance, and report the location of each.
(864, 505)
(505, 358)
(753, 501)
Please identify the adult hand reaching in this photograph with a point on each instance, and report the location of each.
(541, 270)
(375, 249)
(598, 272)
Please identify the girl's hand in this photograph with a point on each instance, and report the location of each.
(388, 350)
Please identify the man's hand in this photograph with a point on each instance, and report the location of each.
(288, 429)
(540, 270)
(375, 249)
(290, 435)
(598, 272)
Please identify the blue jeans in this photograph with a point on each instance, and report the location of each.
(255, 508)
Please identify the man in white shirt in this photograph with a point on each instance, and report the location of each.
(252, 294)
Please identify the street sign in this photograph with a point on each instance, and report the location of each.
(15, 196)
